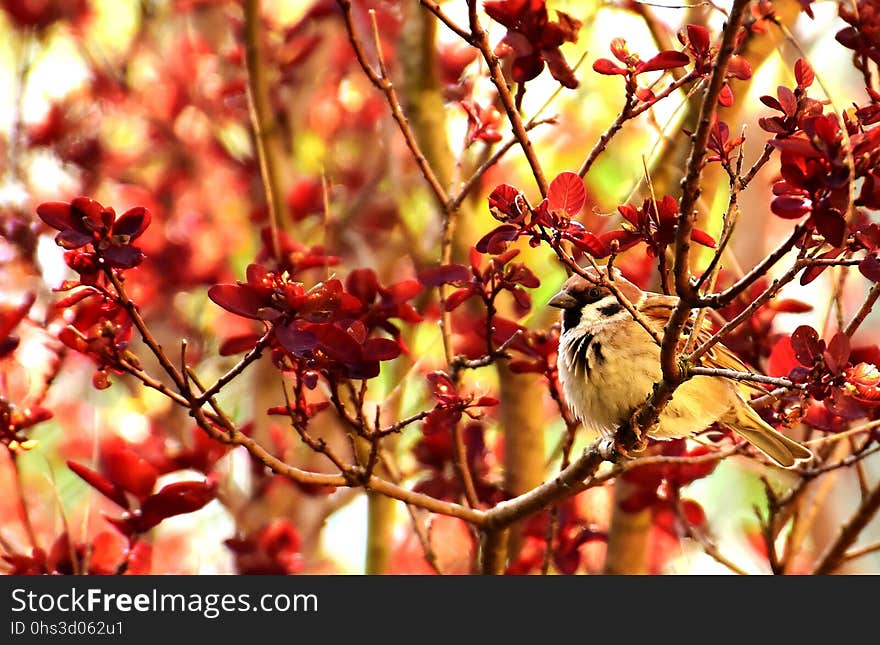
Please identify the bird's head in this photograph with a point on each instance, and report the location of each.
(588, 300)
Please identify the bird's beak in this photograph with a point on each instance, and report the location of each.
(563, 300)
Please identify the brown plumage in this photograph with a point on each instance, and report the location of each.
(608, 364)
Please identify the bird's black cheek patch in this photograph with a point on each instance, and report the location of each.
(610, 309)
(571, 318)
(597, 350)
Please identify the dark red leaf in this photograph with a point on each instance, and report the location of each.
(337, 343)
(567, 193)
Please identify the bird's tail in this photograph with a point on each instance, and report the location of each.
(783, 450)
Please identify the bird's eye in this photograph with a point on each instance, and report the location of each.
(594, 293)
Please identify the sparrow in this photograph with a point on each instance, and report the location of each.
(608, 364)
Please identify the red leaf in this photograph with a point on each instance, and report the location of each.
(813, 272)
(870, 267)
(381, 349)
(175, 499)
(693, 512)
(108, 552)
(238, 344)
(607, 67)
(100, 483)
(55, 214)
(739, 68)
(140, 559)
(698, 37)
(559, 68)
(803, 72)
(567, 193)
(132, 223)
(782, 358)
(589, 243)
(725, 96)
(241, 301)
(790, 206)
(701, 237)
(668, 59)
(445, 274)
(129, 470)
(790, 306)
(337, 343)
(496, 240)
(454, 299)
(838, 352)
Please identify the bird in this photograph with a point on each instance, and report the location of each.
(608, 364)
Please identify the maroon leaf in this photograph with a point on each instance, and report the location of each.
(295, 340)
(123, 257)
(806, 344)
(496, 240)
(870, 267)
(241, 301)
(445, 274)
(559, 68)
(132, 223)
(55, 214)
(813, 272)
(837, 353)
(567, 193)
(381, 349)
